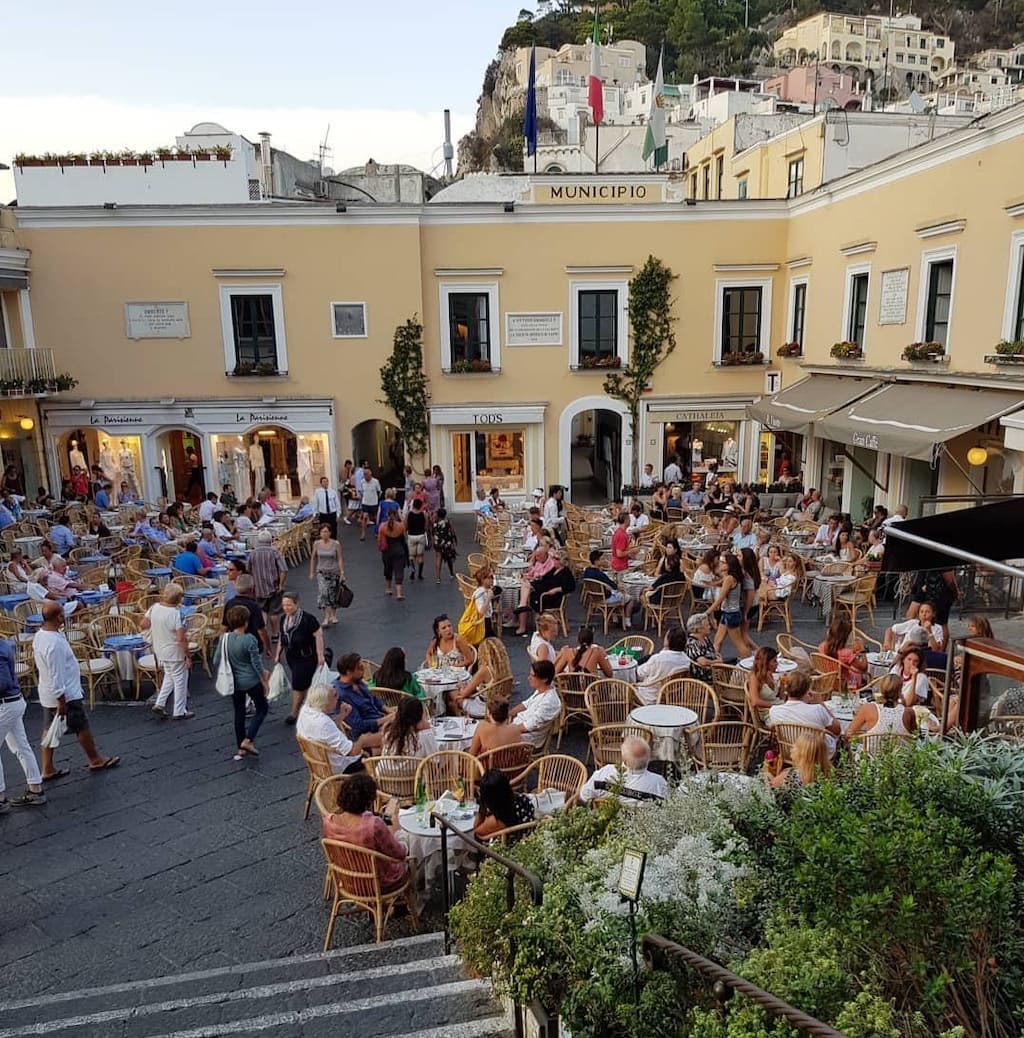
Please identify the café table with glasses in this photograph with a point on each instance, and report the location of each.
(667, 725)
(436, 681)
(454, 733)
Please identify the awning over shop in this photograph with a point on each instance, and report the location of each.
(809, 400)
(910, 418)
(990, 531)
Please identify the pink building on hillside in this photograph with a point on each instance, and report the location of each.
(796, 85)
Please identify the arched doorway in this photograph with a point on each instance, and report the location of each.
(593, 449)
(381, 444)
(181, 467)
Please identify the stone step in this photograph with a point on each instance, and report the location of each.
(407, 987)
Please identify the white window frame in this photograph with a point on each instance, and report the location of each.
(765, 284)
(622, 324)
(928, 260)
(790, 193)
(1013, 284)
(4, 324)
(227, 328)
(791, 305)
(494, 318)
(851, 273)
(366, 323)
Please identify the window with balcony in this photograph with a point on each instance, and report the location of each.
(252, 325)
(940, 298)
(856, 322)
(598, 320)
(742, 322)
(796, 178)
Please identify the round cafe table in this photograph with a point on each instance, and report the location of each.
(824, 588)
(667, 724)
(623, 668)
(125, 647)
(435, 681)
(785, 665)
(879, 664)
(454, 733)
(424, 840)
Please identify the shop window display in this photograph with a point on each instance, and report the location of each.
(704, 447)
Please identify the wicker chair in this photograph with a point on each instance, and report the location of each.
(512, 833)
(787, 642)
(640, 642)
(876, 744)
(668, 606)
(442, 770)
(325, 796)
(352, 871)
(609, 701)
(318, 760)
(556, 771)
(860, 595)
(95, 670)
(109, 626)
(730, 687)
(787, 734)
(395, 777)
(594, 599)
(605, 741)
(722, 745)
(197, 636)
(695, 695)
(775, 607)
(1009, 727)
(391, 696)
(511, 759)
(572, 688)
(828, 665)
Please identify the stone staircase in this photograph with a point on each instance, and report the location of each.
(406, 988)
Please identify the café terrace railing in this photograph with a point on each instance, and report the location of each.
(659, 952)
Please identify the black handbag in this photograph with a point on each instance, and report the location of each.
(345, 595)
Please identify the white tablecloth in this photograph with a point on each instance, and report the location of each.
(666, 724)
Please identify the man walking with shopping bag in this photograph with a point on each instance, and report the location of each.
(60, 690)
(12, 731)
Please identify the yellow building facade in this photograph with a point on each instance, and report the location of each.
(252, 335)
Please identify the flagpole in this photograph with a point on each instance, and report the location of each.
(597, 146)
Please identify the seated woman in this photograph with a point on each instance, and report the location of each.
(392, 673)
(585, 655)
(836, 644)
(910, 667)
(497, 505)
(771, 563)
(783, 585)
(316, 724)
(922, 630)
(807, 507)
(887, 715)
(670, 553)
(762, 689)
(541, 647)
(355, 822)
(499, 806)
(706, 574)
(671, 572)
(845, 549)
(700, 646)
(407, 732)
(810, 763)
(446, 648)
(495, 730)
(532, 535)
(17, 571)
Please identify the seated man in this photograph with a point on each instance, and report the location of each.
(7, 517)
(58, 584)
(222, 526)
(60, 535)
(902, 635)
(647, 476)
(631, 774)
(694, 497)
(209, 545)
(228, 501)
(125, 496)
(102, 497)
(144, 529)
(744, 537)
(797, 710)
(827, 533)
(612, 595)
(671, 662)
(304, 511)
(208, 507)
(536, 714)
(366, 711)
(483, 505)
(188, 561)
(244, 523)
(638, 520)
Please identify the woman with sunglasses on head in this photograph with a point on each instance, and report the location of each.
(447, 648)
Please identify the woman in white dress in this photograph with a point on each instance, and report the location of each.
(887, 715)
(541, 647)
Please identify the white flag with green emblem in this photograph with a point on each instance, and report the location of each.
(655, 141)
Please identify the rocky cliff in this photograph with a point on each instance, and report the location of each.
(487, 148)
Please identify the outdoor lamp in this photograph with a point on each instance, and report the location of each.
(27, 424)
(977, 456)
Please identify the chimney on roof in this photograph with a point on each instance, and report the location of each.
(266, 165)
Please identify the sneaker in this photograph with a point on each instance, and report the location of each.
(160, 712)
(28, 799)
(347, 521)
(186, 716)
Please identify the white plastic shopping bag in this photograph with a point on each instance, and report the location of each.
(224, 682)
(279, 685)
(323, 676)
(58, 728)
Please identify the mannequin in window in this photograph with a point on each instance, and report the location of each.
(126, 462)
(305, 466)
(240, 477)
(729, 453)
(257, 468)
(76, 458)
(697, 453)
(223, 473)
(107, 461)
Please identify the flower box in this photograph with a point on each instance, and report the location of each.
(470, 367)
(1005, 359)
(930, 352)
(599, 363)
(846, 350)
(790, 350)
(255, 371)
(736, 360)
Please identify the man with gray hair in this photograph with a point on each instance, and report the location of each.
(269, 573)
(244, 596)
(629, 776)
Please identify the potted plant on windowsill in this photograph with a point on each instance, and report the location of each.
(732, 360)
(75, 158)
(201, 154)
(245, 369)
(23, 160)
(64, 382)
(933, 352)
(12, 386)
(1007, 352)
(469, 367)
(846, 350)
(165, 153)
(610, 361)
(223, 152)
(790, 350)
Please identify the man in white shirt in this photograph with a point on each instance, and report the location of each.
(318, 722)
(370, 501)
(744, 537)
(58, 583)
(631, 774)
(327, 506)
(673, 473)
(536, 714)
(638, 520)
(60, 691)
(827, 533)
(922, 631)
(671, 662)
(170, 648)
(900, 512)
(208, 507)
(482, 504)
(796, 711)
(553, 518)
(647, 477)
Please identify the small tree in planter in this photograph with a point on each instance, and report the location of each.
(924, 351)
(404, 385)
(846, 350)
(651, 320)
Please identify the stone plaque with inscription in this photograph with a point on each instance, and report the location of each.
(533, 329)
(892, 305)
(156, 321)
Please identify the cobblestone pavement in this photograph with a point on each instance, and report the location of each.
(181, 859)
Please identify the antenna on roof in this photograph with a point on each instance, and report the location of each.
(449, 151)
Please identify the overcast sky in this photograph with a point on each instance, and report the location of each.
(114, 74)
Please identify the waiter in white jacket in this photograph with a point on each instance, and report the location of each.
(327, 505)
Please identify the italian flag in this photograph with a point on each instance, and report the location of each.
(655, 141)
(595, 89)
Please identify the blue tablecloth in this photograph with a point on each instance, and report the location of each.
(34, 620)
(8, 602)
(160, 571)
(94, 597)
(201, 592)
(94, 558)
(124, 643)
(186, 610)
